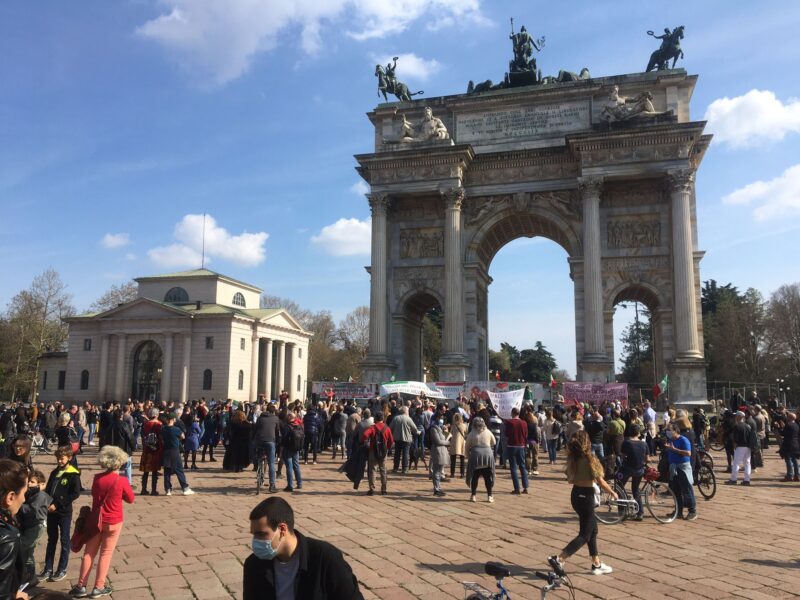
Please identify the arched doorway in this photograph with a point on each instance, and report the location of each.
(147, 371)
(419, 324)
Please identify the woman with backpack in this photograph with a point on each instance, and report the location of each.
(552, 431)
(152, 450)
(292, 441)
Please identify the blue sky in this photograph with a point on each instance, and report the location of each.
(120, 120)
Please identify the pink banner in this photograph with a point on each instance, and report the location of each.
(595, 393)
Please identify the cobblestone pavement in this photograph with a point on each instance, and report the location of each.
(409, 544)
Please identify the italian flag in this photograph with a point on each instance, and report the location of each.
(662, 387)
(553, 382)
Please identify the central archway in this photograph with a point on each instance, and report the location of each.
(148, 365)
(420, 309)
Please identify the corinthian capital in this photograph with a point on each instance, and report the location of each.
(590, 186)
(680, 180)
(453, 197)
(378, 203)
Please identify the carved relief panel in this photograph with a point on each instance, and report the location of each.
(425, 242)
(406, 279)
(631, 232)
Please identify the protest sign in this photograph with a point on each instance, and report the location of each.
(595, 393)
(503, 402)
(415, 388)
(343, 390)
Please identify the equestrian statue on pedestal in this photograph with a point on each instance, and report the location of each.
(670, 49)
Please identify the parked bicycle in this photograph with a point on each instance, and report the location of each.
(656, 495)
(499, 572)
(39, 443)
(261, 470)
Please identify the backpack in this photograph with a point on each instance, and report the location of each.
(298, 438)
(556, 427)
(151, 441)
(380, 443)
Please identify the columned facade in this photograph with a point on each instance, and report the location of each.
(254, 348)
(266, 375)
(102, 383)
(119, 383)
(186, 368)
(280, 383)
(166, 379)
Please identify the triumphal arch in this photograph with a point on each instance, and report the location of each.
(605, 167)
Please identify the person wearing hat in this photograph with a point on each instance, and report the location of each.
(743, 438)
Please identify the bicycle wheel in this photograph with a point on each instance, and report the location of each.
(609, 512)
(660, 501)
(706, 482)
(706, 459)
(715, 442)
(260, 476)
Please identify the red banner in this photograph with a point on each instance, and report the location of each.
(595, 393)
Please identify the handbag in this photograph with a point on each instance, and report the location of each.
(74, 442)
(89, 522)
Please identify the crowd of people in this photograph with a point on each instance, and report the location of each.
(387, 436)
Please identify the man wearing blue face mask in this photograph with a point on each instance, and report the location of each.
(286, 565)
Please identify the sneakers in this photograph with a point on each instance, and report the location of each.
(45, 574)
(97, 592)
(601, 569)
(439, 493)
(78, 591)
(692, 516)
(535, 472)
(515, 492)
(189, 492)
(154, 493)
(57, 576)
(730, 482)
(638, 518)
(745, 483)
(557, 566)
(490, 499)
(288, 488)
(272, 489)
(473, 498)
(169, 493)
(370, 492)
(144, 493)
(525, 491)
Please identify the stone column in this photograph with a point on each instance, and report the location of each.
(166, 374)
(687, 343)
(120, 374)
(253, 395)
(592, 275)
(186, 367)
(293, 370)
(279, 377)
(453, 365)
(379, 204)
(102, 384)
(267, 373)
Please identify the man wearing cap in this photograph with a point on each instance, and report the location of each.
(743, 440)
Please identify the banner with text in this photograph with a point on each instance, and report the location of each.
(415, 388)
(595, 393)
(343, 389)
(450, 389)
(503, 402)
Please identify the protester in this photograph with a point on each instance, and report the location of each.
(109, 490)
(286, 565)
(292, 441)
(312, 426)
(634, 454)
(237, 452)
(552, 431)
(583, 472)
(266, 435)
(681, 479)
(171, 456)
(152, 451)
(743, 438)
(33, 522)
(439, 454)
(379, 440)
(22, 452)
(403, 430)
(210, 439)
(516, 441)
(64, 487)
(790, 447)
(479, 447)
(13, 484)
(338, 424)
(122, 438)
(457, 447)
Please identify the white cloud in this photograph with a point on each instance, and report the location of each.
(410, 66)
(130, 256)
(756, 118)
(245, 249)
(219, 40)
(346, 237)
(115, 240)
(779, 197)
(359, 188)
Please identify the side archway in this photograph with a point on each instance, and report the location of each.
(409, 325)
(148, 367)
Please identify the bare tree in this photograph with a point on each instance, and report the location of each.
(35, 316)
(784, 322)
(354, 332)
(114, 296)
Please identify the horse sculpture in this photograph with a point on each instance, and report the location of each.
(389, 85)
(670, 50)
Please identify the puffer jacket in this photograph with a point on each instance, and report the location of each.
(311, 423)
(10, 566)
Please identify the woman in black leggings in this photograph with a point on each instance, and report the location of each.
(480, 450)
(583, 471)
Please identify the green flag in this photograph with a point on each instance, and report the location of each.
(662, 387)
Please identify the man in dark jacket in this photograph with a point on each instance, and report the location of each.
(286, 565)
(266, 434)
(64, 487)
(312, 426)
(106, 420)
(790, 447)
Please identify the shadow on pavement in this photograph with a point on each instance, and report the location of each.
(768, 562)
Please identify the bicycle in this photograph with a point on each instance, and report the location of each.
(706, 481)
(499, 572)
(41, 444)
(656, 495)
(261, 471)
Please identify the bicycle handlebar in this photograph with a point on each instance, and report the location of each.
(542, 575)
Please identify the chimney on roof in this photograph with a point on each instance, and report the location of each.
(199, 304)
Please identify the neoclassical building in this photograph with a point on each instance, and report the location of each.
(189, 334)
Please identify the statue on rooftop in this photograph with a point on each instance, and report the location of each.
(524, 45)
(388, 84)
(670, 49)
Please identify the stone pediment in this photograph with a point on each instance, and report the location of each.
(143, 308)
(284, 320)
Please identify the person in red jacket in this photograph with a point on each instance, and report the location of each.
(108, 492)
(378, 439)
(516, 440)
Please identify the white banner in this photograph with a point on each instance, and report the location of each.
(414, 388)
(503, 402)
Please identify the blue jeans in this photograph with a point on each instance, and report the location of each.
(791, 467)
(92, 429)
(268, 448)
(552, 448)
(127, 468)
(292, 460)
(437, 472)
(58, 527)
(684, 491)
(599, 451)
(516, 457)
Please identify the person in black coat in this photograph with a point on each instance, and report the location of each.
(316, 570)
(13, 485)
(790, 447)
(237, 454)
